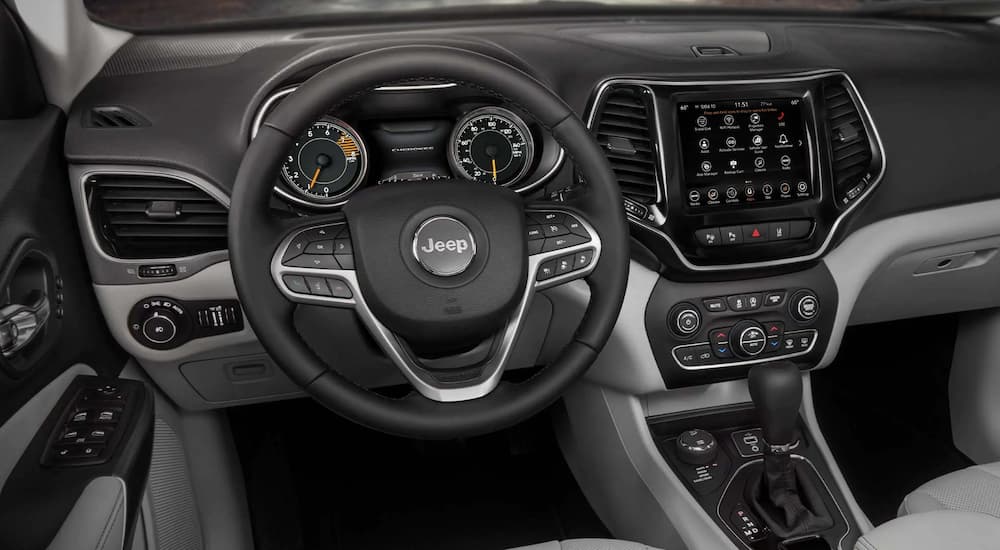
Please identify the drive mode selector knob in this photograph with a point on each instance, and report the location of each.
(804, 306)
(748, 339)
(697, 447)
(684, 319)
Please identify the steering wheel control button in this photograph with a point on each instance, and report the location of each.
(684, 320)
(583, 259)
(535, 233)
(444, 246)
(296, 283)
(545, 218)
(804, 306)
(314, 261)
(342, 246)
(714, 305)
(318, 286)
(320, 247)
(564, 264)
(565, 241)
(554, 229)
(339, 289)
(546, 271)
(708, 237)
(159, 329)
(576, 227)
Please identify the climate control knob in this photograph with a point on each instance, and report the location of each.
(748, 339)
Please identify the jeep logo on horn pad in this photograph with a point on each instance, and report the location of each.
(444, 246)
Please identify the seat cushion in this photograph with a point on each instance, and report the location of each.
(588, 544)
(938, 530)
(975, 489)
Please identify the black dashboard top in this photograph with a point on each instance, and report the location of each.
(200, 92)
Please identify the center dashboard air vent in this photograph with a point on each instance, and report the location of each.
(853, 155)
(624, 128)
(152, 217)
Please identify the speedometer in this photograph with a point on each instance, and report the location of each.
(327, 162)
(491, 145)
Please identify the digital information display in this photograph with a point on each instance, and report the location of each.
(743, 151)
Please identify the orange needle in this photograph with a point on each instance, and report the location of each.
(494, 170)
(315, 177)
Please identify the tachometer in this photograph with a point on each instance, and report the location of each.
(327, 162)
(491, 145)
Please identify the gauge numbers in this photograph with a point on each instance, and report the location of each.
(491, 145)
(327, 162)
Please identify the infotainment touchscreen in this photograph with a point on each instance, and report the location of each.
(737, 151)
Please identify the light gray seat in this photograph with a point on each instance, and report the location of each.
(587, 544)
(942, 529)
(975, 489)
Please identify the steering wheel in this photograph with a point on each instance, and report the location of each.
(440, 273)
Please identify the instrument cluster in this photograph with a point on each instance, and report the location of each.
(457, 137)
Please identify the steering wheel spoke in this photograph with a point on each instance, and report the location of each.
(314, 264)
(562, 245)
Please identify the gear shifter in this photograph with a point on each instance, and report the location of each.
(776, 391)
(784, 496)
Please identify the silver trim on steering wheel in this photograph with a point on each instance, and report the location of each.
(493, 367)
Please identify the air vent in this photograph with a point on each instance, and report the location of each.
(852, 150)
(113, 117)
(155, 217)
(624, 128)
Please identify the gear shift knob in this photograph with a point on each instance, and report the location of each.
(776, 390)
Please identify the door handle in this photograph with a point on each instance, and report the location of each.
(20, 324)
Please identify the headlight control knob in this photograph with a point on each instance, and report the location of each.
(159, 328)
(697, 447)
(748, 339)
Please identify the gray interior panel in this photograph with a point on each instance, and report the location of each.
(975, 385)
(97, 520)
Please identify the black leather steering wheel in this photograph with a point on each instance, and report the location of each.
(441, 273)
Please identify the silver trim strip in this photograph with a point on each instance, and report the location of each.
(272, 99)
(765, 359)
(396, 351)
(869, 123)
(107, 269)
(718, 508)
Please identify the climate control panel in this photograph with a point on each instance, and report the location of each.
(704, 332)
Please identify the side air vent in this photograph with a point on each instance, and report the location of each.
(113, 117)
(155, 217)
(849, 142)
(624, 128)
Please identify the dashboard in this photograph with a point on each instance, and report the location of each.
(780, 169)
